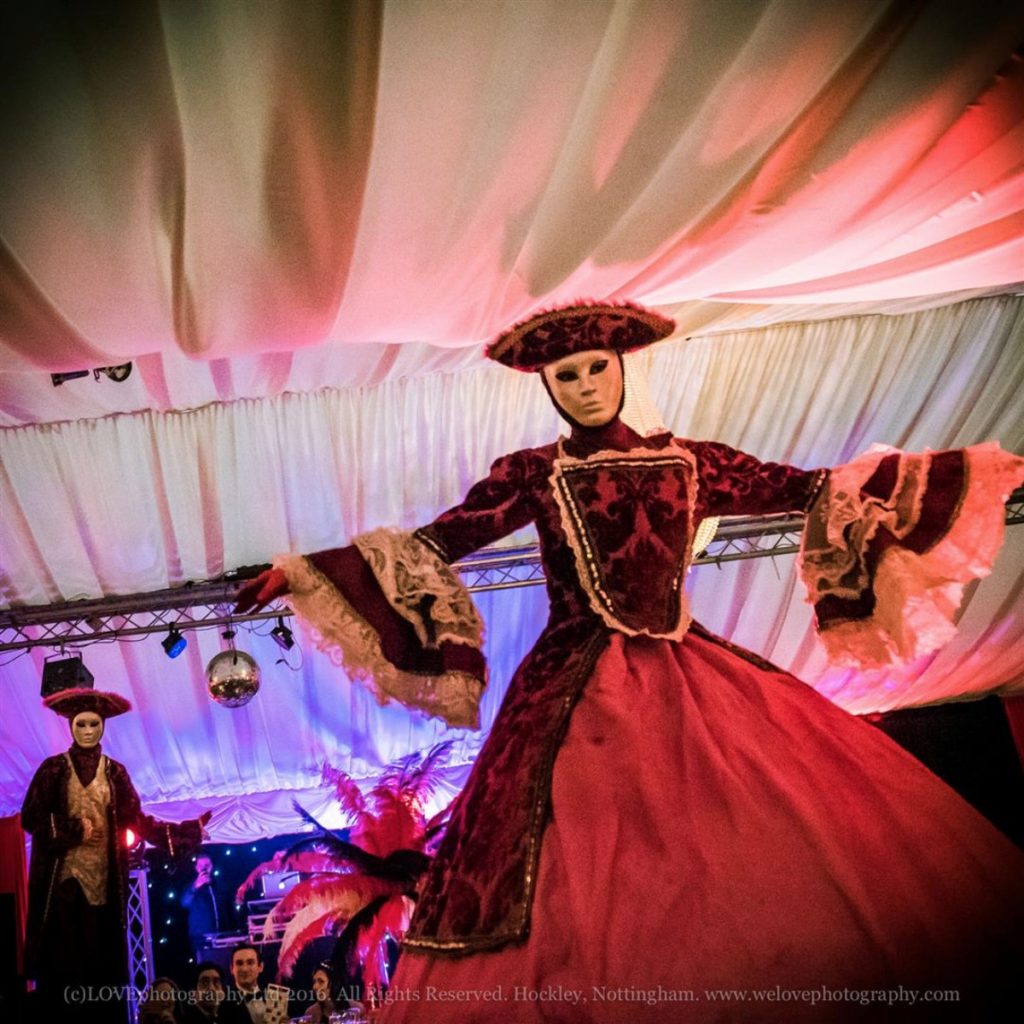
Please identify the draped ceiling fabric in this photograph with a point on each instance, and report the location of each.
(299, 221)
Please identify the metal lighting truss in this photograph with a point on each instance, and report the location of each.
(208, 604)
(140, 939)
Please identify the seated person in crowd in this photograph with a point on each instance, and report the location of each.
(206, 995)
(324, 990)
(160, 1003)
(246, 1002)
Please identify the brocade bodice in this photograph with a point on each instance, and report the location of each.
(615, 515)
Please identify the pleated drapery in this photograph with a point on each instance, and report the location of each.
(227, 180)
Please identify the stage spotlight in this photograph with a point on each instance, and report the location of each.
(283, 636)
(174, 643)
(136, 847)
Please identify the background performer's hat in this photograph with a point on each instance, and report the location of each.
(621, 326)
(69, 703)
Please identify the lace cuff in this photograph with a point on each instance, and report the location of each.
(891, 543)
(421, 588)
(408, 631)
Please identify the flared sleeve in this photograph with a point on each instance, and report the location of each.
(891, 542)
(390, 611)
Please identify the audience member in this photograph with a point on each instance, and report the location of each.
(246, 1002)
(325, 991)
(206, 995)
(160, 1003)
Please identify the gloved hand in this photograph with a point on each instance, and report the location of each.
(259, 592)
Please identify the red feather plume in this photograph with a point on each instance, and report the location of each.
(389, 818)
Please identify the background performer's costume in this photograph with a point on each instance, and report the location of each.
(75, 934)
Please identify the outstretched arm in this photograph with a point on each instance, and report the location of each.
(390, 610)
(733, 483)
(172, 837)
(493, 508)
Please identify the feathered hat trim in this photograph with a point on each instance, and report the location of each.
(580, 327)
(69, 703)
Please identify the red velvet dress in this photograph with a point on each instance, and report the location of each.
(662, 826)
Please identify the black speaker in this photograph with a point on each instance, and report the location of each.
(64, 674)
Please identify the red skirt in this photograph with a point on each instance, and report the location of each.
(725, 844)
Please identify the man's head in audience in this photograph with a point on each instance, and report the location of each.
(208, 989)
(246, 967)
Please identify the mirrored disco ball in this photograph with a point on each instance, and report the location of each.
(232, 678)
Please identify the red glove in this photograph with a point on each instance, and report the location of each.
(256, 594)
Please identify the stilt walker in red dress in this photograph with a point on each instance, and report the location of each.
(662, 826)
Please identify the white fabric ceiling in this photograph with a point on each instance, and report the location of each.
(299, 221)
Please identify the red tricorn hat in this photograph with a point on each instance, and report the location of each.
(556, 333)
(69, 703)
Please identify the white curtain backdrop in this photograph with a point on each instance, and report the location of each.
(139, 502)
